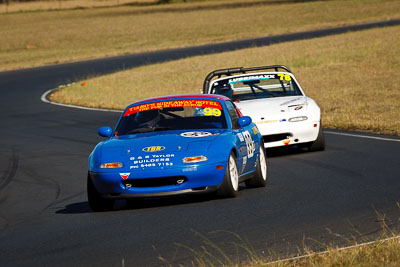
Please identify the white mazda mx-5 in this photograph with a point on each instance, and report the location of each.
(274, 100)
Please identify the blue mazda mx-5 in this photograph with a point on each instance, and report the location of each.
(173, 145)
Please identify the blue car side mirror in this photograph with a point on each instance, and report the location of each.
(244, 121)
(105, 131)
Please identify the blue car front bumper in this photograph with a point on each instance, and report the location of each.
(190, 179)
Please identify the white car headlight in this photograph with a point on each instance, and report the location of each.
(296, 119)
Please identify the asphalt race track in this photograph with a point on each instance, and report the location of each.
(348, 190)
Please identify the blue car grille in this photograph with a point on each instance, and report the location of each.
(155, 182)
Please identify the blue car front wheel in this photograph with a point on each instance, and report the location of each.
(230, 184)
(96, 201)
(259, 178)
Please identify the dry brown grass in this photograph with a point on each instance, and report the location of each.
(47, 5)
(37, 38)
(353, 77)
(380, 253)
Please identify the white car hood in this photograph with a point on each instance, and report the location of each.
(271, 108)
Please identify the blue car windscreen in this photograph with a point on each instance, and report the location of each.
(171, 118)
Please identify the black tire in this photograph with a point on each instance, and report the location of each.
(96, 202)
(319, 143)
(230, 184)
(259, 178)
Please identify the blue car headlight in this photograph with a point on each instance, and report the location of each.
(194, 159)
(111, 165)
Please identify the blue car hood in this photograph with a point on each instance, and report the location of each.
(166, 141)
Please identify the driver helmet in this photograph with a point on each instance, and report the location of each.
(149, 118)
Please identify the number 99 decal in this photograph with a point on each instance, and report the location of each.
(212, 112)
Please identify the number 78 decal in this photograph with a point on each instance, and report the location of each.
(284, 76)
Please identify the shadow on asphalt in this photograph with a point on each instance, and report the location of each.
(285, 151)
(75, 208)
(142, 203)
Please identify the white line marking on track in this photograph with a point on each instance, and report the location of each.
(364, 136)
(44, 99)
(327, 251)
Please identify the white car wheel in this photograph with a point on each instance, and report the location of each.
(319, 143)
